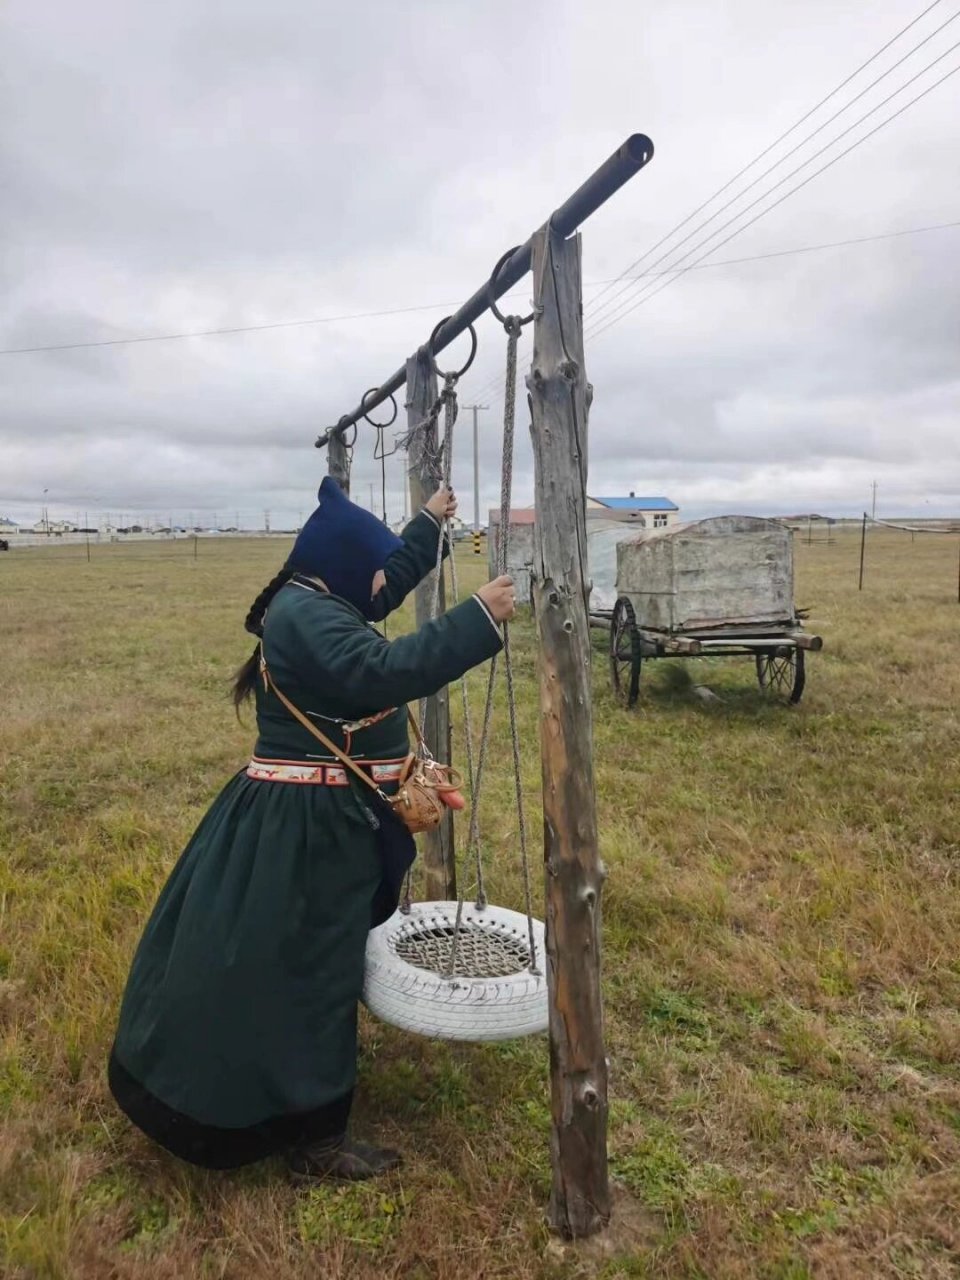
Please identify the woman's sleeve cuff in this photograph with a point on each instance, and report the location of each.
(493, 622)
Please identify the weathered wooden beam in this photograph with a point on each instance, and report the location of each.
(804, 641)
(580, 1196)
(338, 463)
(781, 646)
(439, 861)
(670, 644)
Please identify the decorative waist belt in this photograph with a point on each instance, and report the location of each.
(319, 773)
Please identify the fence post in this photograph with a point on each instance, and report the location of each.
(580, 1195)
(863, 548)
(439, 862)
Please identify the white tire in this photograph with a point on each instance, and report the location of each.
(419, 999)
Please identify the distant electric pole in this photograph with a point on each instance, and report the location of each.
(476, 464)
(873, 514)
(266, 522)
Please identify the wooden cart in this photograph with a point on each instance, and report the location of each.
(721, 587)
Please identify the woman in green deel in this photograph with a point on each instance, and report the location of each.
(237, 1032)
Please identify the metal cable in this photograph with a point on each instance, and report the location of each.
(617, 316)
(599, 313)
(757, 158)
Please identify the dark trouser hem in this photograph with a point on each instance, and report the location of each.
(208, 1145)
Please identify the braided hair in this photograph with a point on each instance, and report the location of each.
(245, 680)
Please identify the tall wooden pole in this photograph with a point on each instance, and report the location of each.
(440, 874)
(580, 1196)
(338, 462)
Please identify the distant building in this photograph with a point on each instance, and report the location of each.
(57, 527)
(654, 512)
(519, 548)
(8, 526)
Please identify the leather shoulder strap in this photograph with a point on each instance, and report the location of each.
(308, 724)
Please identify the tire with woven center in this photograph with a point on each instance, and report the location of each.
(463, 1007)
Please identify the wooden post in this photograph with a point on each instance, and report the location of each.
(863, 548)
(338, 462)
(440, 873)
(580, 1196)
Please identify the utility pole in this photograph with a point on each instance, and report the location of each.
(873, 513)
(476, 464)
(266, 522)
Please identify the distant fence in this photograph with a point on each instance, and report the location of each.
(145, 545)
(942, 527)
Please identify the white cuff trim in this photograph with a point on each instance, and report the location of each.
(489, 615)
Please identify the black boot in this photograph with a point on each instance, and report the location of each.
(341, 1159)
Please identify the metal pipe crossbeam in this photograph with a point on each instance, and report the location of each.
(626, 161)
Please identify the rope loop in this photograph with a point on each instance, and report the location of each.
(460, 372)
(492, 301)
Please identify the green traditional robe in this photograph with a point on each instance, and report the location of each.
(237, 1032)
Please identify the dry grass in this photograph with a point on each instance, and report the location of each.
(781, 967)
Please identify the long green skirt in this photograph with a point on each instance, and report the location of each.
(237, 1032)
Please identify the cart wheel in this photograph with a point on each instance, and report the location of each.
(782, 675)
(625, 653)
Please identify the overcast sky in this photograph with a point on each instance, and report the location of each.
(194, 165)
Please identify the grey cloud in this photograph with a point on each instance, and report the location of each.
(180, 167)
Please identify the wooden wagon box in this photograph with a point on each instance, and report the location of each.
(727, 571)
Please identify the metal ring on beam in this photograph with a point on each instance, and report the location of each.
(491, 294)
(470, 358)
(345, 423)
(381, 426)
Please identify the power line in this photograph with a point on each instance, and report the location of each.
(766, 151)
(610, 321)
(437, 306)
(211, 333)
(612, 301)
(761, 257)
(808, 248)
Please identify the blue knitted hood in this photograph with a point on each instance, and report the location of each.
(345, 546)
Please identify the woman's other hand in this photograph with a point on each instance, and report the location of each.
(443, 504)
(500, 597)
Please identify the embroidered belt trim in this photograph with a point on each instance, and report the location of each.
(322, 775)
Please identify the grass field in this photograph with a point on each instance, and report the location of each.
(781, 960)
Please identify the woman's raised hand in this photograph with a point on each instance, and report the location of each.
(443, 504)
(500, 597)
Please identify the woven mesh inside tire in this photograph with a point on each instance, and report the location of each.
(481, 952)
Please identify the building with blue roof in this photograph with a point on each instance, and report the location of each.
(654, 512)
